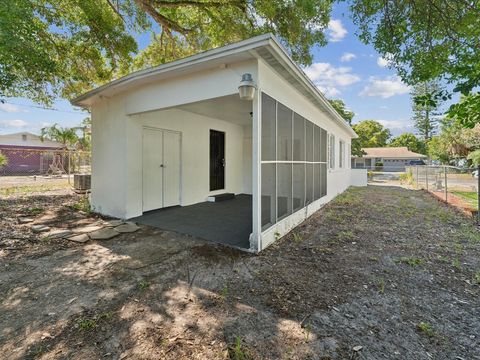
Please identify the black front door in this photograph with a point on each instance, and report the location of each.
(217, 160)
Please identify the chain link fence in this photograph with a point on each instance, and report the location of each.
(24, 163)
(455, 185)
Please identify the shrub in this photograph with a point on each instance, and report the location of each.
(3, 160)
(406, 178)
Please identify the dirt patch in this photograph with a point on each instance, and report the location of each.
(379, 273)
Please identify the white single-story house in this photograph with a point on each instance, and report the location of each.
(174, 136)
(391, 158)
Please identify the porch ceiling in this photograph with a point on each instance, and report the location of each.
(227, 108)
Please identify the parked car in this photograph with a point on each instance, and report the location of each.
(416, 162)
(475, 174)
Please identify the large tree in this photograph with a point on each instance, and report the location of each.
(342, 110)
(51, 48)
(425, 40)
(426, 112)
(410, 141)
(370, 134)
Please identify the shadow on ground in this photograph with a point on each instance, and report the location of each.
(389, 272)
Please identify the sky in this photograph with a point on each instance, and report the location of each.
(344, 69)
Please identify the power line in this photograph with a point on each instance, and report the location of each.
(45, 108)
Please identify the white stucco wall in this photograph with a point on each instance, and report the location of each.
(108, 158)
(195, 158)
(116, 138)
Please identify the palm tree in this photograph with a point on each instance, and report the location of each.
(65, 136)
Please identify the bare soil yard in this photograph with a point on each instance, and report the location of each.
(379, 273)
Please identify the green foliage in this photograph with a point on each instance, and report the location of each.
(52, 48)
(426, 328)
(406, 178)
(340, 107)
(66, 136)
(143, 285)
(412, 261)
(370, 134)
(410, 141)
(424, 39)
(82, 205)
(3, 160)
(236, 352)
(466, 113)
(474, 157)
(86, 323)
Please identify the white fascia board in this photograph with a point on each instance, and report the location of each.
(177, 65)
(282, 52)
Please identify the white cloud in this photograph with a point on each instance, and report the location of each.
(11, 108)
(385, 61)
(385, 88)
(17, 123)
(398, 127)
(336, 31)
(329, 78)
(347, 57)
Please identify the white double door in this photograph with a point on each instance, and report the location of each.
(161, 168)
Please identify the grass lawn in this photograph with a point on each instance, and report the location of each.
(470, 197)
(378, 273)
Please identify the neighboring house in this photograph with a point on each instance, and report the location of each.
(27, 153)
(178, 134)
(391, 158)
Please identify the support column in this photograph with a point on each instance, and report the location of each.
(255, 240)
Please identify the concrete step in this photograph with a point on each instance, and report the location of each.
(221, 197)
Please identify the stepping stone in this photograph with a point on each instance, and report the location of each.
(114, 222)
(128, 227)
(81, 238)
(103, 234)
(24, 220)
(39, 228)
(61, 233)
(87, 229)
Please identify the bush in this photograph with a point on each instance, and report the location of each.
(3, 160)
(406, 178)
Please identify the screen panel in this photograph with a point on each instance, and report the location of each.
(269, 197)
(298, 186)
(284, 193)
(284, 133)
(268, 128)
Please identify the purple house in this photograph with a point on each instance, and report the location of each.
(28, 154)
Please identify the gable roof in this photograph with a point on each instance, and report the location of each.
(391, 152)
(32, 140)
(266, 47)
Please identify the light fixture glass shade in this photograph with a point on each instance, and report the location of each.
(247, 87)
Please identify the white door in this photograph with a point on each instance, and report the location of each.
(171, 168)
(161, 169)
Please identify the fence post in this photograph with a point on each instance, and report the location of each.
(478, 195)
(426, 176)
(416, 178)
(446, 191)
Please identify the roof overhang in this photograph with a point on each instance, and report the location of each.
(266, 47)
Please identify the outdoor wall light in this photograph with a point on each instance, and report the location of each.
(247, 87)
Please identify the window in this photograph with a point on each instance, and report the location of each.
(294, 162)
(24, 137)
(331, 144)
(341, 154)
